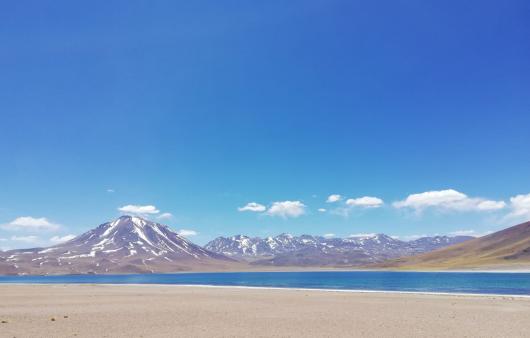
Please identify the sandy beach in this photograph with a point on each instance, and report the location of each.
(180, 311)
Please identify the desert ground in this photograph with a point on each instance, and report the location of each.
(182, 311)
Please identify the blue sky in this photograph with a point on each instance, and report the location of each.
(198, 108)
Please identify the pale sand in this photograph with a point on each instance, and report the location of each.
(177, 311)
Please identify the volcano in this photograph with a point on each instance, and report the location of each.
(129, 244)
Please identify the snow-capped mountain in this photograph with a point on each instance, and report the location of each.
(245, 246)
(127, 244)
(307, 250)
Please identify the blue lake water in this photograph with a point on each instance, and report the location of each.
(453, 282)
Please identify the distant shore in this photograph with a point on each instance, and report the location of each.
(360, 291)
(169, 311)
(525, 269)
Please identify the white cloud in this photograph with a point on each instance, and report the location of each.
(139, 209)
(322, 210)
(61, 239)
(329, 235)
(520, 207)
(365, 202)
(110, 191)
(287, 209)
(431, 198)
(30, 223)
(187, 233)
(253, 206)
(165, 215)
(334, 198)
(449, 199)
(25, 239)
(491, 205)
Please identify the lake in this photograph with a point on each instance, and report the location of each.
(444, 282)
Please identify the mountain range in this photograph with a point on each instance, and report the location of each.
(130, 244)
(307, 250)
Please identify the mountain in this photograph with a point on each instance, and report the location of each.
(246, 247)
(307, 250)
(505, 249)
(128, 244)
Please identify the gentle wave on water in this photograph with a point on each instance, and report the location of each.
(437, 282)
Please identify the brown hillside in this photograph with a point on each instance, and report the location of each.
(505, 249)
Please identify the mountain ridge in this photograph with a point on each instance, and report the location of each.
(308, 250)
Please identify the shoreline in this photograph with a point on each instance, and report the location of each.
(291, 269)
(273, 288)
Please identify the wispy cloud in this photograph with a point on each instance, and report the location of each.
(187, 233)
(353, 204)
(365, 202)
(253, 207)
(61, 239)
(322, 210)
(29, 223)
(329, 235)
(25, 239)
(165, 215)
(139, 209)
(110, 191)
